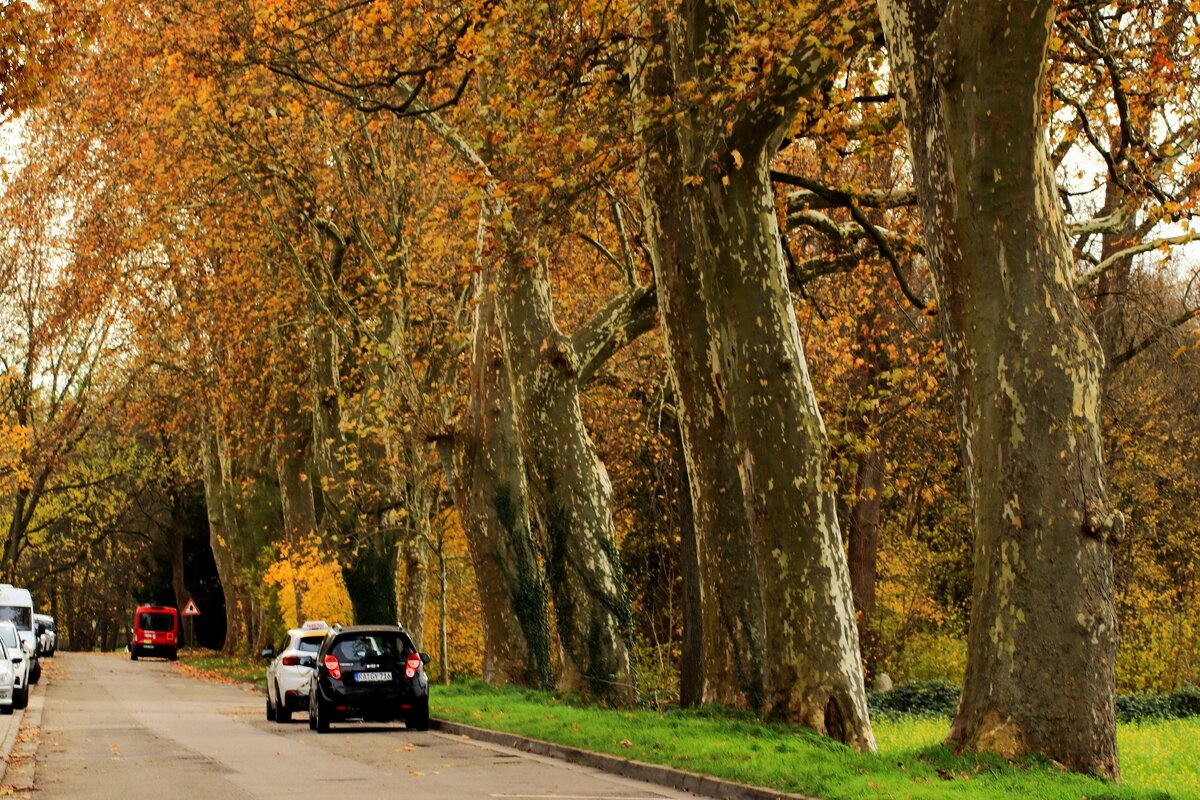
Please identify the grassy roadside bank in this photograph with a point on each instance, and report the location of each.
(215, 665)
(1160, 760)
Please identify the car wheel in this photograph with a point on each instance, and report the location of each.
(133, 654)
(270, 708)
(283, 714)
(6, 710)
(20, 697)
(174, 655)
(417, 718)
(36, 675)
(322, 717)
(312, 718)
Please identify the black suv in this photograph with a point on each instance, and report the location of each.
(369, 672)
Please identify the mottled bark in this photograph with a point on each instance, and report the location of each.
(691, 653)
(414, 596)
(488, 476)
(222, 529)
(1026, 366)
(583, 569)
(370, 575)
(863, 544)
(780, 634)
(292, 455)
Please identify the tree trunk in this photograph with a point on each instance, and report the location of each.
(864, 543)
(292, 454)
(583, 568)
(221, 532)
(1026, 366)
(767, 529)
(415, 555)
(691, 654)
(487, 473)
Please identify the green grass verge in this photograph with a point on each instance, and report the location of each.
(235, 668)
(1159, 760)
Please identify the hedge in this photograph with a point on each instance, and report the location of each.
(939, 698)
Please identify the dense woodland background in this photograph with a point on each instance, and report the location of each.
(346, 294)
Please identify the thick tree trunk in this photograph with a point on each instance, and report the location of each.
(770, 546)
(691, 655)
(488, 475)
(222, 530)
(370, 575)
(591, 607)
(415, 596)
(1026, 365)
(864, 545)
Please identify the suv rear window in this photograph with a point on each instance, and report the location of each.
(156, 622)
(310, 644)
(356, 648)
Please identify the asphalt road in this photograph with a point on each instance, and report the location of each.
(112, 728)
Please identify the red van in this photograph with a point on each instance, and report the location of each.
(155, 632)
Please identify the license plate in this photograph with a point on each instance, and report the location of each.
(372, 677)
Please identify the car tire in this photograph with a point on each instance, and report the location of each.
(20, 697)
(173, 656)
(312, 717)
(283, 714)
(36, 674)
(322, 718)
(133, 654)
(417, 718)
(6, 710)
(270, 708)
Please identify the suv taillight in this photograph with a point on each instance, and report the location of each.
(333, 667)
(412, 665)
(291, 661)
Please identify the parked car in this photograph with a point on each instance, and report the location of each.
(16, 606)
(369, 672)
(18, 655)
(8, 675)
(155, 632)
(291, 670)
(47, 636)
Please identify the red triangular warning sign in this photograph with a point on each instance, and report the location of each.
(190, 609)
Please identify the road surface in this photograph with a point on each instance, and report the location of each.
(112, 728)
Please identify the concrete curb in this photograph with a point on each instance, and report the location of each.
(6, 747)
(20, 754)
(678, 779)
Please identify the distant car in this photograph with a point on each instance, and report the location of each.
(155, 632)
(47, 636)
(369, 672)
(17, 655)
(291, 670)
(16, 606)
(8, 676)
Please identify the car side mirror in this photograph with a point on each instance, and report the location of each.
(268, 652)
(424, 658)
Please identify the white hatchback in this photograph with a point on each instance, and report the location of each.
(291, 670)
(8, 676)
(17, 655)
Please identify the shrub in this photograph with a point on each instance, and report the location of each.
(938, 698)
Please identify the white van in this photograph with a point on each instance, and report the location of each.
(16, 606)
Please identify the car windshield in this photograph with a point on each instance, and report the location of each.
(156, 622)
(310, 644)
(8, 636)
(21, 616)
(356, 648)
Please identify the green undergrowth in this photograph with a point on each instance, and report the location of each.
(1160, 759)
(213, 663)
